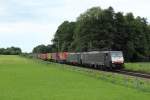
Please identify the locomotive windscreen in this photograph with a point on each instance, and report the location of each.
(117, 57)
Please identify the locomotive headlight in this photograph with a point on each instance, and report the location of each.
(117, 60)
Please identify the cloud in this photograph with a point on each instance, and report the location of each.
(27, 23)
(25, 34)
(24, 27)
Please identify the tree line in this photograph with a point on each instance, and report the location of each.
(42, 49)
(10, 51)
(105, 29)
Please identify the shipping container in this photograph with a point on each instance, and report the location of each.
(74, 58)
(49, 56)
(63, 56)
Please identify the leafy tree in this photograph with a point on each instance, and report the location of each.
(42, 49)
(64, 36)
(104, 29)
(94, 29)
(10, 51)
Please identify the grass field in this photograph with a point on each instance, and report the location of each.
(141, 66)
(26, 79)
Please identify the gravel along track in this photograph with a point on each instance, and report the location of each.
(137, 74)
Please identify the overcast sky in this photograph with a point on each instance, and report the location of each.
(28, 23)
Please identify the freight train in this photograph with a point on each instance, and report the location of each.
(95, 59)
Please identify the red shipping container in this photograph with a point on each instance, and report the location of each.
(43, 56)
(63, 56)
(54, 56)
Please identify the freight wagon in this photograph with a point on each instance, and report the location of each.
(49, 56)
(54, 56)
(74, 58)
(63, 57)
(43, 56)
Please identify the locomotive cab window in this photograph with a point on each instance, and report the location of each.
(116, 54)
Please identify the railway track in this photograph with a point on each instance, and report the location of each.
(131, 73)
(122, 71)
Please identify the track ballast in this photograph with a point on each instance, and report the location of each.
(132, 73)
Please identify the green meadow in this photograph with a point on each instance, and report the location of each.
(28, 79)
(138, 66)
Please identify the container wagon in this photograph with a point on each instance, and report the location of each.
(63, 57)
(74, 58)
(49, 56)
